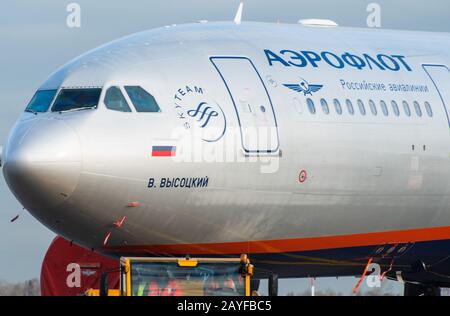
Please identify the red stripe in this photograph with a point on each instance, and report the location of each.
(163, 153)
(299, 244)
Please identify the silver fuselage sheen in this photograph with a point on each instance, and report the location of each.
(77, 172)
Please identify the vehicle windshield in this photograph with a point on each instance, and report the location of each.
(41, 101)
(169, 279)
(80, 98)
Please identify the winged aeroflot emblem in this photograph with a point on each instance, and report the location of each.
(304, 86)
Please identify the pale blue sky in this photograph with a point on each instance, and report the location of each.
(34, 41)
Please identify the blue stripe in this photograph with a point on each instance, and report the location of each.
(164, 148)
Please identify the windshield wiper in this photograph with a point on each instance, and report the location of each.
(31, 111)
(79, 109)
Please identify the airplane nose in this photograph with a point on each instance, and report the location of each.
(42, 163)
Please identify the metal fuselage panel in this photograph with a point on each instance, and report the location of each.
(364, 173)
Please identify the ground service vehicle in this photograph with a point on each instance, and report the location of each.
(154, 276)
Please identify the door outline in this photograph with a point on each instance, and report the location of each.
(424, 66)
(235, 106)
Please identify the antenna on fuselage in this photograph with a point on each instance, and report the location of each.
(238, 17)
(15, 218)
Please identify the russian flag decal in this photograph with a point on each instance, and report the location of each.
(164, 151)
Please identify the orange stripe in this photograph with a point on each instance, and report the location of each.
(298, 244)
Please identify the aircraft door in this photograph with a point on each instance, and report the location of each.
(440, 75)
(252, 103)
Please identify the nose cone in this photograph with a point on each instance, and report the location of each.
(42, 163)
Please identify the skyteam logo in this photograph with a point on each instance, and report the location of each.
(304, 86)
(197, 112)
(203, 113)
(209, 116)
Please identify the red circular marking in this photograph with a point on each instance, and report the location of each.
(302, 176)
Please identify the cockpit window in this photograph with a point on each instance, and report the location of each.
(142, 100)
(80, 98)
(41, 101)
(114, 100)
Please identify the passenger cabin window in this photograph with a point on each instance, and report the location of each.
(406, 108)
(428, 109)
(311, 107)
(417, 109)
(337, 106)
(350, 108)
(373, 107)
(325, 107)
(362, 108)
(384, 108)
(77, 99)
(395, 108)
(114, 100)
(41, 101)
(142, 100)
